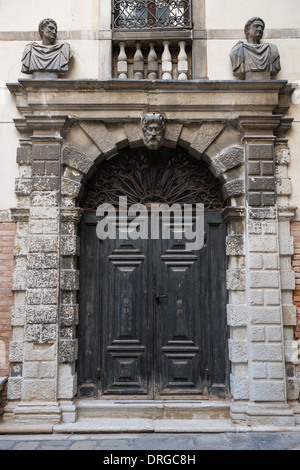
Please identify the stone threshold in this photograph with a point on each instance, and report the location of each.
(122, 426)
(120, 416)
(152, 409)
(139, 425)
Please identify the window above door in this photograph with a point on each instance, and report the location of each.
(151, 14)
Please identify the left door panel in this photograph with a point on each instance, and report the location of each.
(115, 314)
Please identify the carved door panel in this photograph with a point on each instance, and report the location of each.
(152, 315)
(126, 310)
(190, 316)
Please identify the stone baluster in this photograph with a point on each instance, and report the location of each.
(166, 62)
(152, 63)
(138, 63)
(182, 62)
(122, 66)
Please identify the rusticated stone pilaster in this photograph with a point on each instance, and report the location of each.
(40, 261)
(69, 284)
(236, 307)
(264, 281)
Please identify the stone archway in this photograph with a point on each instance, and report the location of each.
(140, 345)
(68, 129)
(226, 164)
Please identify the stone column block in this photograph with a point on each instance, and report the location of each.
(235, 245)
(239, 387)
(236, 315)
(45, 152)
(265, 315)
(69, 315)
(235, 279)
(287, 280)
(269, 391)
(41, 314)
(260, 370)
(238, 351)
(14, 388)
(67, 382)
(69, 245)
(68, 351)
(70, 280)
(38, 279)
(267, 352)
(39, 390)
(264, 279)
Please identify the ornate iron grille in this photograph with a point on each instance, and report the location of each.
(166, 176)
(148, 14)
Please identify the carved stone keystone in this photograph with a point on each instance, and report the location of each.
(153, 130)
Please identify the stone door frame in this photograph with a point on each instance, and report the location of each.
(59, 152)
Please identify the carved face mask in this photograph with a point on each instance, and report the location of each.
(153, 127)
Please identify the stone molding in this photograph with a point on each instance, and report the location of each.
(114, 99)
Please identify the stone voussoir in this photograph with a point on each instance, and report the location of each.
(77, 160)
(228, 159)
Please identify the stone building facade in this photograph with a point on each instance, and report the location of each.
(56, 134)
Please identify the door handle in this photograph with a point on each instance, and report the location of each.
(160, 296)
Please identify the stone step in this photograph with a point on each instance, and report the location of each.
(136, 425)
(153, 410)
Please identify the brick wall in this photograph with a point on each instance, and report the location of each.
(7, 234)
(295, 232)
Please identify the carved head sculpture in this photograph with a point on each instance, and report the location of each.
(153, 130)
(254, 30)
(48, 31)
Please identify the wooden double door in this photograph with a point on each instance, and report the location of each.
(152, 315)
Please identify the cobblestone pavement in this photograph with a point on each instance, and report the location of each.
(148, 442)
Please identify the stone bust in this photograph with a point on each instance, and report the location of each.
(49, 59)
(153, 130)
(253, 60)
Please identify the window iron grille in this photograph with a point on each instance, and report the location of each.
(144, 177)
(149, 14)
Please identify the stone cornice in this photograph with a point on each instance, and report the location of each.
(284, 127)
(113, 100)
(234, 213)
(42, 123)
(71, 214)
(131, 84)
(286, 213)
(20, 214)
(259, 126)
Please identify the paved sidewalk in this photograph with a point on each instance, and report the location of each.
(172, 442)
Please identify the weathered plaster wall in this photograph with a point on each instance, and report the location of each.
(229, 13)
